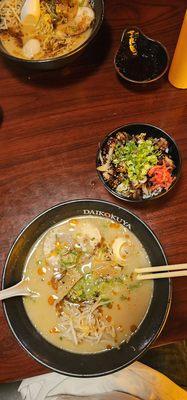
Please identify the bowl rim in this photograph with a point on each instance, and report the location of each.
(59, 58)
(113, 192)
(147, 81)
(167, 305)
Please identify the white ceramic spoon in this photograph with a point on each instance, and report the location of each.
(20, 289)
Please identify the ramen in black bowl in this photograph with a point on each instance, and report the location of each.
(103, 345)
(61, 32)
(138, 162)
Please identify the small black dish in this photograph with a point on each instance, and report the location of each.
(62, 61)
(152, 131)
(140, 59)
(73, 364)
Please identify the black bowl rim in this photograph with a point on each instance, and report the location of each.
(60, 58)
(167, 306)
(147, 81)
(126, 198)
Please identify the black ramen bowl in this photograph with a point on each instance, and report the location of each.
(154, 132)
(66, 362)
(61, 61)
(140, 60)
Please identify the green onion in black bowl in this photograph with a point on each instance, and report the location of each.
(138, 162)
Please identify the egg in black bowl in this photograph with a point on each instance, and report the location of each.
(115, 236)
(140, 59)
(138, 162)
(45, 35)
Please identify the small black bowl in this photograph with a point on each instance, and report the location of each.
(152, 131)
(62, 361)
(140, 60)
(61, 61)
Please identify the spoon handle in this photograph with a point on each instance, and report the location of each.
(20, 289)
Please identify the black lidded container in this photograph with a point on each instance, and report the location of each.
(140, 59)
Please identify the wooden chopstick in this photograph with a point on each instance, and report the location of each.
(174, 267)
(165, 271)
(161, 275)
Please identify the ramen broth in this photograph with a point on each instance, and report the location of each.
(56, 29)
(12, 46)
(88, 297)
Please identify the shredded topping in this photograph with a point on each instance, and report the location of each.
(137, 166)
(85, 322)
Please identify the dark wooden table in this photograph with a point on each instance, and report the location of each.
(51, 124)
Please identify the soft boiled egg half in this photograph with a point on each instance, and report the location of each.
(30, 12)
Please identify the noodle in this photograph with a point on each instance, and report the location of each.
(88, 289)
(85, 323)
(61, 28)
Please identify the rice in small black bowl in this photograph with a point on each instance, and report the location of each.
(138, 162)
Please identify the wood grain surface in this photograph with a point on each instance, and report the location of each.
(51, 124)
